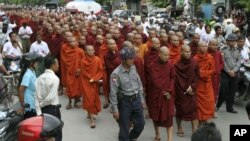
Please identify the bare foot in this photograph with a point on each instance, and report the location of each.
(68, 106)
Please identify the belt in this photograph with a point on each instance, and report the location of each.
(131, 97)
(53, 106)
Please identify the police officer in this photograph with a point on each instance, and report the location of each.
(232, 62)
(126, 97)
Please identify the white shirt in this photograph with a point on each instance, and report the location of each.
(9, 50)
(47, 86)
(244, 54)
(41, 49)
(25, 32)
(207, 37)
(229, 29)
(200, 31)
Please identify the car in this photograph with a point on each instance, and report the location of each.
(123, 14)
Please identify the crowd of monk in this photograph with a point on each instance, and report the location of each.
(88, 51)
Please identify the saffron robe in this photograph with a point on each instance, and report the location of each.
(204, 88)
(71, 58)
(91, 68)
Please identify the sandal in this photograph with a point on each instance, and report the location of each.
(157, 139)
(106, 105)
(92, 124)
(68, 107)
(180, 133)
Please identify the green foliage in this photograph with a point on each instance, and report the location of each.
(160, 3)
(245, 3)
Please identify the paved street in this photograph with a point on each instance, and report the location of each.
(77, 127)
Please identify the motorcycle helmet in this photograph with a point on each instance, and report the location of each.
(39, 128)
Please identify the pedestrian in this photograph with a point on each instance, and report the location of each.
(40, 48)
(71, 56)
(25, 32)
(208, 132)
(175, 49)
(219, 65)
(229, 76)
(204, 88)
(91, 73)
(186, 76)
(248, 110)
(159, 96)
(47, 86)
(26, 90)
(126, 97)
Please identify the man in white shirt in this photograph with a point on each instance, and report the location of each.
(229, 27)
(25, 32)
(13, 48)
(39, 47)
(47, 85)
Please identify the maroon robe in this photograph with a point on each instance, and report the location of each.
(194, 49)
(161, 79)
(112, 61)
(219, 65)
(90, 39)
(144, 38)
(140, 69)
(119, 42)
(151, 56)
(125, 30)
(97, 48)
(186, 74)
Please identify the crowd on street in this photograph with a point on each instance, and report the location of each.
(182, 68)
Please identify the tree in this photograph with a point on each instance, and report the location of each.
(161, 3)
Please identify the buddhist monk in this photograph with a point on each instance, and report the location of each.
(153, 53)
(138, 62)
(164, 39)
(131, 37)
(152, 34)
(186, 76)
(181, 37)
(91, 73)
(98, 43)
(219, 65)
(111, 60)
(204, 88)
(67, 36)
(71, 56)
(82, 42)
(175, 49)
(194, 44)
(142, 47)
(91, 36)
(159, 98)
(118, 37)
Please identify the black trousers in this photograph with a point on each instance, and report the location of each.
(55, 111)
(228, 89)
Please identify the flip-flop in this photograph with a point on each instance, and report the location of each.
(68, 107)
(77, 106)
(180, 133)
(92, 124)
(157, 139)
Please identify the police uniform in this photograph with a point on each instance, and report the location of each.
(126, 97)
(228, 87)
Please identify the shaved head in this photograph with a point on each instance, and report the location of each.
(213, 45)
(89, 49)
(185, 52)
(164, 54)
(202, 47)
(156, 44)
(127, 44)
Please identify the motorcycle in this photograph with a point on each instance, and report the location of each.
(9, 120)
(244, 83)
